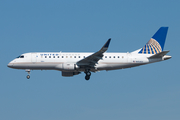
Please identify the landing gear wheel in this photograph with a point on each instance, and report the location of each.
(88, 74)
(28, 76)
(28, 71)
(87, 77)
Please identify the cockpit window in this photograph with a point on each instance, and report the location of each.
(21, 56)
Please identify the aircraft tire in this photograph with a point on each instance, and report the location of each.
(28, 76)
(87, 77)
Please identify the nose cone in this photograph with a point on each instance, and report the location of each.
(10, 65)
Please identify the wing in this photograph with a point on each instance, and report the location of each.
(91, 60)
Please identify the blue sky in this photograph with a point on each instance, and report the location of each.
(146, 92)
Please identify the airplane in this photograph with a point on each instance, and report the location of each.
(73, 63)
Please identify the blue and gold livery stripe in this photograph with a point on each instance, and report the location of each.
(152, 47)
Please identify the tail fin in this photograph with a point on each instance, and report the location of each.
(156, 43)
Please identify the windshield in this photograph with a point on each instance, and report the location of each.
(18, 57)
(21, 56)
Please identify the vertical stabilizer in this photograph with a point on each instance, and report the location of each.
(156, 43)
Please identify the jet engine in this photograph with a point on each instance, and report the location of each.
(69, 74)
(67, 66)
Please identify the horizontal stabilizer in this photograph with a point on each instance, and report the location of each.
(159, 55)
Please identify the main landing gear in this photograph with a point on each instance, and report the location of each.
(28, 71)
(88, 74)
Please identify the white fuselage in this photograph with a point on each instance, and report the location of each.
(66, 61)
(74, 63)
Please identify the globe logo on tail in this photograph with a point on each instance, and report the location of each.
(152, 47)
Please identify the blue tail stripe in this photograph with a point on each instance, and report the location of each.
(160, 36)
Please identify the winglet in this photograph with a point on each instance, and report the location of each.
(106, 45)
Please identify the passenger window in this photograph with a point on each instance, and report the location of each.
(122, 56)
(49, 56)
(45, 56)
(118, 56)
(54, 56)
(74, 56)
(105, 56)
(79, 56)
(58, 56)
(114, 57)
(109, 56)
(62, 56)
(70, 56)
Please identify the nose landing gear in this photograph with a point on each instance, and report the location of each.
(28, 71)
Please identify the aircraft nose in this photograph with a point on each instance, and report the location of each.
(10, 65)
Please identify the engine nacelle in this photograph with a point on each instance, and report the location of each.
(69, 74)
(67, 66)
